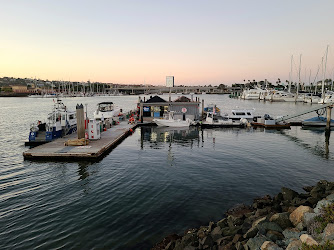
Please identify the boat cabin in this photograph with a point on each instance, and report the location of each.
(238, 114)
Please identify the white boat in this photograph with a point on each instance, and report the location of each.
(311, 98)
(214, 120)
(283, 96)
(238, 114)
(252, 94)
(107, 110)
(329, 98)
(35, 96)
(60, 122)
(171, 122)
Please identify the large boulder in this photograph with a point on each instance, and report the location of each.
(206, 242)
(269, 245)
(308, 240)
(319, 190)
(262, 202)
(256, 242)
(216, 233)
(295, 244)
(292, 233)
(297, 215)
(281, 219)
(266, 225)
(222, 223)
(328, 233)
(288, 194)
(252, 232)
(274, 235)
(308, 219)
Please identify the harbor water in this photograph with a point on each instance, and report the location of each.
(156, 182)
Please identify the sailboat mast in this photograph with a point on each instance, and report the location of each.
(323, 76)
(300, 64)
(290, 75)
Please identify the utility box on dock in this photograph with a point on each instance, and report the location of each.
(94, 130)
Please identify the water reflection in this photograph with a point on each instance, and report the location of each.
(82, 170)
(319, 147)
(159, 135)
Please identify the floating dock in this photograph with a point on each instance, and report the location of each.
(96, 149)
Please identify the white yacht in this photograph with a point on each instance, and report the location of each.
(107, 110)
(252, 94)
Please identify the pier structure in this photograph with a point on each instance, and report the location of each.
(327, 106)
(95, 150)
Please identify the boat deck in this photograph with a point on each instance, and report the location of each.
(56, 150)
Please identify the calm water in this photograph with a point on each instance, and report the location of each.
(156, 182)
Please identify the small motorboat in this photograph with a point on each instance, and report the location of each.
(269, 122)
(318, 121)
(60, 122)
(214, 120)
(171, 122)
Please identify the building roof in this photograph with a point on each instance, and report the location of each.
(182, 99)
(155, 99)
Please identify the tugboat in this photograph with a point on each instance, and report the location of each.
(60, 122)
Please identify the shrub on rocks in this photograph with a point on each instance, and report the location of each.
(325, 217)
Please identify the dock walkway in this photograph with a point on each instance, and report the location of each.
(56, 150)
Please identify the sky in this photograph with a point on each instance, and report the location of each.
(143, 41)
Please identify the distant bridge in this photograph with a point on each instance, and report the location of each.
(130, 89)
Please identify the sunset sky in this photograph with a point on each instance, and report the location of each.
(142, 41)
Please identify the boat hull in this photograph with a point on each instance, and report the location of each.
(171, 123)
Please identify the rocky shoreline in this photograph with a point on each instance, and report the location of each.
(289, 220)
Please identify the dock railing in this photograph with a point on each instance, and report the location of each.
(321, 106)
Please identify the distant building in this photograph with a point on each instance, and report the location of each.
(169, 81)
(20, 89)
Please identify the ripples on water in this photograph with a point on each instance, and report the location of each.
(156, 182)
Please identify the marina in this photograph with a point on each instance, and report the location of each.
(110, 136)
(126, 182)
(155, 125)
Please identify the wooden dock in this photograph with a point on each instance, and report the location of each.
(96, 149)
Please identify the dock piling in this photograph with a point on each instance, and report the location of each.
(80, 121)
(329, 115)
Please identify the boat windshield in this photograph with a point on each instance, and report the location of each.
(106, 107)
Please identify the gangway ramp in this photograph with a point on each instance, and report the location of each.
(318, 107)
